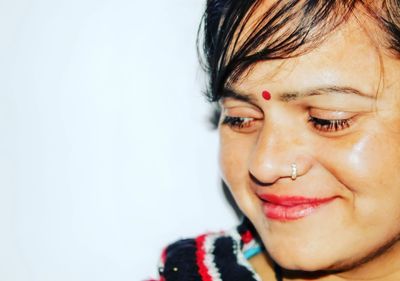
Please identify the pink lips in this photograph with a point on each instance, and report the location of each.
(291, 207)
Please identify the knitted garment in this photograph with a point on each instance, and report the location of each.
(213, 257)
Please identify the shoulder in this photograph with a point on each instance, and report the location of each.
(211, 256)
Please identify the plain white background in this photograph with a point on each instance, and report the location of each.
(105, 150)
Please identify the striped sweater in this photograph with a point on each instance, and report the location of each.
(213, 257)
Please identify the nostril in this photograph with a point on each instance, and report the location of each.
(257, 181)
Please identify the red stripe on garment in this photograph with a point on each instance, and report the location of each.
(164, 255)
(163, 260)
(200, 256)
(247, 237)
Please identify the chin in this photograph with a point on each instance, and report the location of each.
(293, 247)
(302, 260)
(309, 257)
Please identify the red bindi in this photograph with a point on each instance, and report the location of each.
(266, 95)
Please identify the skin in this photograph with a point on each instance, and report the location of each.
(358, 165)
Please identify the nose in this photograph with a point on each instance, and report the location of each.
(279, 153)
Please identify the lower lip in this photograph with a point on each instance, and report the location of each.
(295, 212)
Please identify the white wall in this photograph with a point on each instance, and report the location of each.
(105, 152)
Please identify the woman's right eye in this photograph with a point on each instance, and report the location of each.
(238, 123)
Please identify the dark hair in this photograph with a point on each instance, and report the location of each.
(288, 28)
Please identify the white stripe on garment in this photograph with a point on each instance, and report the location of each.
(240, 256)
(209, 262)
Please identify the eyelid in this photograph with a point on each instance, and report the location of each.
(349, 103)
(230, 102)
(331, 114)
(332, 123)
(241, 109)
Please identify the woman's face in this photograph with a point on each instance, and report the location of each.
(335, 113)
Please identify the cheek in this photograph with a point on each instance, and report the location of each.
(368, 171)
(233, 153)
(356, 159)
(364, 162)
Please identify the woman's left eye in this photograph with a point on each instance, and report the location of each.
(330, 125)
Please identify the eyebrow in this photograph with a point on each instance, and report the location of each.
(295, 95)
(230, 93)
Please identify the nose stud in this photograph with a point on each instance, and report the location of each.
(294, 171)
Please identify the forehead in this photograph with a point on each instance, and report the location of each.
(348, 57)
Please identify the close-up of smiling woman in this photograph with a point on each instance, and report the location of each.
(307, 95)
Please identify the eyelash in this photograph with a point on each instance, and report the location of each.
(237, 122)
(323, 125)
(327, 125)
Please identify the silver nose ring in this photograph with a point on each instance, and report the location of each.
(294, 171)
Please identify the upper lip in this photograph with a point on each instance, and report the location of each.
(285, 200)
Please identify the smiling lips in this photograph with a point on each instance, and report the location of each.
(286, 208)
